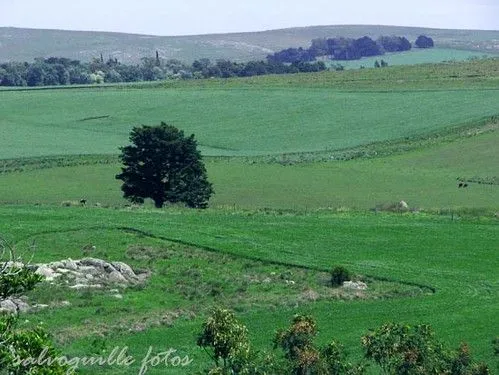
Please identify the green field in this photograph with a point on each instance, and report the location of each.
(304, 168)
(415, 56)
(422, 249)
(424, 178)
(253, 118)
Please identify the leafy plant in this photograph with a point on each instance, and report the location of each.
(339, 275)
(15, 276)
(20, 350)
(224, 338)
(405, 350)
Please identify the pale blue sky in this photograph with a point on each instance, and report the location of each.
(183, 17)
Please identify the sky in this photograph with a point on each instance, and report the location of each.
(189, 17)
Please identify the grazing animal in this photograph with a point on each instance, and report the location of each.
(465, 185)
(460, 185)
(83, 202)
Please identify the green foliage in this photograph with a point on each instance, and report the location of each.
(424, 41)
(405, 350)
(20, 350)
(15, 277)
(15, 281)
(28, 351)
(224, 338)
(297, 341)
(164, 165)
(335, 361)
(305, 357)
(339, 274)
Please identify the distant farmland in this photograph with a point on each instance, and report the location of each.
(27, 44)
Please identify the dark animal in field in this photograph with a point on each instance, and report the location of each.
(83, 202)
(460, 185)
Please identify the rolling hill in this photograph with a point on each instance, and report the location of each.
(18, 44)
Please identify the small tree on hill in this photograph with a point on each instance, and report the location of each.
(424, 41)
(164, 165)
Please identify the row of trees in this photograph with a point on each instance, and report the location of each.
(62, 71)
(348, 48)
(396, 348)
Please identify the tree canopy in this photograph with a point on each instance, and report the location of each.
(164, 165)
(424, 41)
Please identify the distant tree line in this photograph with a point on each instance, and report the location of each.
(55, 71)
(348, 48)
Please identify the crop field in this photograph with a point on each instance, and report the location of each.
(307, 169)
(237, 121)
(425, 250)
(415, 56)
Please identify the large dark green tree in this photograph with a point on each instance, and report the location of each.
(164, 165)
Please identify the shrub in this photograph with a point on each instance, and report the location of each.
(339, 274)
(19, 346)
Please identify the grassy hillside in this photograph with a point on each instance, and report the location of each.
(296, 161)
(27, 44)
(257, 116)
(425, 178)
(457, 258)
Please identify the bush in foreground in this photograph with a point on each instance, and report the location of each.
(396, 348)
(20, 349)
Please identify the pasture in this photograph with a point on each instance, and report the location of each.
(303, 167)
(422, 249)
(415, 56)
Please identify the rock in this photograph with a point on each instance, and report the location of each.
(84, 286)
(124, 269)
(70, 265)
(56, 265)
(8, 306)
(45, 271)
(356, 285)
(91, 270)
(94, 262)
(110, 268)
(21, 305)
(116, 277)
